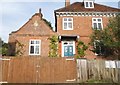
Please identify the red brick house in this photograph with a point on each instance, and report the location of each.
(77, 21)
(32, 38)
(73, 22)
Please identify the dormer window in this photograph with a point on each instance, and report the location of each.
(89, 4)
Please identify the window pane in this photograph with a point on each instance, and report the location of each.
(37, 50)
(99, 25)
(71, 43)
(97, 47)
(91, 4)
(94, 25)
(69, 19)
(86, 4)
(32, 49)
(70, 49)
(99, 20)
(65, 25)
(66, 49)
(102, 49)
(37, 42)
(32, 42)
(65, 43)
(70, 25)
(65, 19)
(94, 19)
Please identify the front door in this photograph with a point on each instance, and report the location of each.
(68, 48)
(68, 51)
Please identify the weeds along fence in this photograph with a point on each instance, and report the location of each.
(57, 70)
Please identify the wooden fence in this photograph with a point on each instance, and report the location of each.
(56, 70)
(4, 69)
(0, 71)
(39, 70)
(97, 71)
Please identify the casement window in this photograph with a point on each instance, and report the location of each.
(67, 23)
(34, 47)
(89, 4)
(99, 47)
(97, 23)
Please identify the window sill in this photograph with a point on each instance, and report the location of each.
(34, 54)
(68, 29)
(70, 59)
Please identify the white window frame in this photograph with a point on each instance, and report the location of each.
(95, 46)
(34, 46)
(66, 45)
(97, 23)
(89, 4)
(67, 23)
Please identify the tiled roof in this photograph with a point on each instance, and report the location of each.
(79, 7)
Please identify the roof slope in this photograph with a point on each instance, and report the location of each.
(79, 7)
(42, 27)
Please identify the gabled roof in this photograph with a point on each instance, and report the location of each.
(30, 28)
(79, 7)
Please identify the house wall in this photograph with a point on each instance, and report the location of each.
(82, 26)
(24, 40)
(29, 31)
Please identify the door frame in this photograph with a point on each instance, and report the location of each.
(73, 44)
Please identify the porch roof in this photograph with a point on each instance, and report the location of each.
(68, 37)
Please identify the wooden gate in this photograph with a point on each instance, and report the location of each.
(41, 70)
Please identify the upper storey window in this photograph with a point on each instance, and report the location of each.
(97, 23)
(89, 4)
(68, 23)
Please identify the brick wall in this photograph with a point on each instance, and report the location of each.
(82, 26)
(35, 28)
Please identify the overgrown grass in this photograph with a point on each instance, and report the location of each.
(99, 81)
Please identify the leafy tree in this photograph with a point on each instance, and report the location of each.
(48, 23)
(109, 38)
(53, 46)
(81, 48)
(3, 48)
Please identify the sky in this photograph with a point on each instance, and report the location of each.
(15, 13)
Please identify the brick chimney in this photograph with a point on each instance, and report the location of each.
(67, 3)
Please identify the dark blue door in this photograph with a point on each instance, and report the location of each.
(68, 50)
